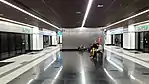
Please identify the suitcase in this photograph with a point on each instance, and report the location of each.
(100, 58)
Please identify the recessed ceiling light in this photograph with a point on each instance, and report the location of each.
(78, 12)
(100, 5)
(105, 29)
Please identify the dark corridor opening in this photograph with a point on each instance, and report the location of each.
(142, 41)
(119, 40)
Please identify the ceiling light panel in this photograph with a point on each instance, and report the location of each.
(87, 12)
(138, 14)
(100, 5)
(26, 12)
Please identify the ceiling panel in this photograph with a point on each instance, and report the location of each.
(70, 13)
(16, 15)
(124, 8)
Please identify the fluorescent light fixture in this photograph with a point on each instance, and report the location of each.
(16, 7)
(144, 22)
(128, 18)
(100, 5)
(82, 28)
(12, 21)
(118, 67)
(87, 12)
(105, 29)
(78, 12)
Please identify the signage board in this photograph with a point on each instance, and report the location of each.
(117, 30)
(125, 30)
(25, 30)
(59, 33)
(45, 33)
(143, 27)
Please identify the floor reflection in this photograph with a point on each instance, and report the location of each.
(77, 68)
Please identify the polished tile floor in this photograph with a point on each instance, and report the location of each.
(77, 68)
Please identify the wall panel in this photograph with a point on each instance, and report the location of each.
(72, 38)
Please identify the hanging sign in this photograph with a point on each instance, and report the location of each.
(144, 27)
(59, 33)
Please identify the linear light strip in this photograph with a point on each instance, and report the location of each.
(127, 18)
(144, 22)
(87, 12)
(12, 21)
(5, 2)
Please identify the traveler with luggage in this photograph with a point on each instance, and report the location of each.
(100, 54)
(97, 53)
(93, 51)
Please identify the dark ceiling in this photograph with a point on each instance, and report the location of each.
(70, 13)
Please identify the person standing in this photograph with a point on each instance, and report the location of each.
(94, 48)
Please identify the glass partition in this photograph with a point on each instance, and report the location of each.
(118, 40)
(45, 41)
(4, 45)
(142, 41)
(13, 44)
(146, 41)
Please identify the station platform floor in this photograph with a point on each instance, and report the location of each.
(77, 68)
(138, 57)
(52, 66)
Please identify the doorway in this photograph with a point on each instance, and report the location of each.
(146, 42)
(142, 39)
(45, 41)
(27, 43)
(118, 40)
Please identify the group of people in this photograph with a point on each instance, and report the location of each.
(81, 48)
(95, 49)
